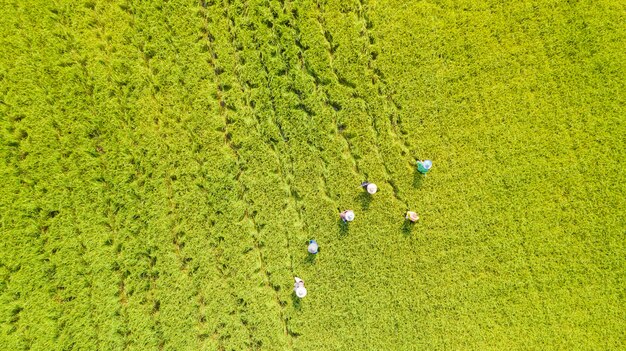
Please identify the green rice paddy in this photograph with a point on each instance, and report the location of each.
(163, 165)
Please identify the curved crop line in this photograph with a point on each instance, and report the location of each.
(173, 234)
(85, 78)
(227, 141)
(362, 15)
(123, 299)
(331, 54)
(112, 224)
(369, 112)
(327, 102)
(284, 173)
(261, 258)
(301, 102)
(395, 122)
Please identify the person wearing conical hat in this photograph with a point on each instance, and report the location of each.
(298, 287)
(412, 216)
(370, 187)
(423, 166)
(347, 215)
(313, 247)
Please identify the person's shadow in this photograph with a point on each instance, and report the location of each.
(418, 178)
(343, 227)
(310, 259)
(296, 301)
(365, 199)
(407, 227)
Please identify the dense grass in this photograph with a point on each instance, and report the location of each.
(163, 165)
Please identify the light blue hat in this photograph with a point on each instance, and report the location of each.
(313, 247)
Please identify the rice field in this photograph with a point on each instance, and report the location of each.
(164, 165)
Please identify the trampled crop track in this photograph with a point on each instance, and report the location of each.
(373, 113)
(165, 163)
(229, 136)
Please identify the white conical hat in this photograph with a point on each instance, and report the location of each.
(349, 216)
(301, 292)
(372, 188)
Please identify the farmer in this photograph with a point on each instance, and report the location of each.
(424, 166)
(313, 247)
(370, 187)
(412, 216)
(347, 215)
(298, 287)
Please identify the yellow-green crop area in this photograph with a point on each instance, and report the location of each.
(163, 165)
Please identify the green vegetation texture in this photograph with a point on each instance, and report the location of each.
(164, 163)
